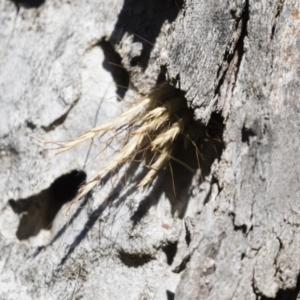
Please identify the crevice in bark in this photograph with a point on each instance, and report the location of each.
(288, 294)
(189, 230)
(278, 10)
(38, 211)
(188, 237)
(242, 228)
(246, 134)
(257, 295)
(182, 265)
(60, 120)
(170, 251)
(212, 182)
(236, 48)
(113, 64)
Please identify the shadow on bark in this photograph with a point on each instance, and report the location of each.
(144, 20)
(28, 3)
(177, 181)
(38, 211)
(113, 64)
(288, 294)
(170, 295)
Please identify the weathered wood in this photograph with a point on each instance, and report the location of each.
(229, 233)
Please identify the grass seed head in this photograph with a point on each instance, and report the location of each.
(153, 124)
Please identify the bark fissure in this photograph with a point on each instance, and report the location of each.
(238, 73)
(235, 50)
(278, 10)
(284, 294)
(243, 228)
(287, 294)
(255, 292)
(60, 120)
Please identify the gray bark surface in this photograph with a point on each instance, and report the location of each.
(232, 229)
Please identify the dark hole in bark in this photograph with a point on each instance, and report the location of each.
(170, 251)
(113, 64)
(38, 211)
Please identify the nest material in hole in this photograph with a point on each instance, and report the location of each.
(153, 124)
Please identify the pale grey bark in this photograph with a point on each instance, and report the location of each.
(230, 233)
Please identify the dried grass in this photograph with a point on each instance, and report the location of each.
(153, 124)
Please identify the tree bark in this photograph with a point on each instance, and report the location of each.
(228, 230)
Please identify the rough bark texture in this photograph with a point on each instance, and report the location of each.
(232, 230)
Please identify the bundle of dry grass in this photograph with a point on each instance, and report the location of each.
(153, 124)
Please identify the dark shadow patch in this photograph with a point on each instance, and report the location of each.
(170, 295)
(243, 228)
(246, 134)
(210, 144)
(134, 260)
(64, 228)
(113, 64)
(144, 20)
(288, 294)
(113, 199)
(38, 211)
(30, 125)
(170, 251)
(162, 75)
(28, 3)
(178, 269)
(188, 238)
(213, 181)
(188, 235)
